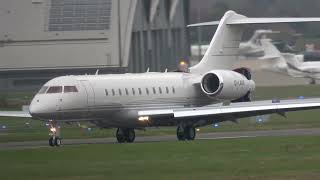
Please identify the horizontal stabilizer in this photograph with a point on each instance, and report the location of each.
(212, 23)
(271, 20)
(269, 57)
(244, 21)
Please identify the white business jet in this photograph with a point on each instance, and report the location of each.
(183, 99)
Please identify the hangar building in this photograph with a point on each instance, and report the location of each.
(42, 39)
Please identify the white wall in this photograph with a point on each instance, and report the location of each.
(25, 41)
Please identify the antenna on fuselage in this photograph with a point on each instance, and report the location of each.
(97, 72)
(166, 70)
(148, 70)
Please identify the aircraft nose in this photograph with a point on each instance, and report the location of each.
(34, 108)
(37, 108)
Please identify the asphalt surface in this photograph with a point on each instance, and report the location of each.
(208, 136)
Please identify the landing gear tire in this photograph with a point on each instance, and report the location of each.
(51, 142)
(180, 133)
(54, 141)
(57, 141)
(131, 135)
(121, 138)
(125, 135)
(190, 133)
(186, 133)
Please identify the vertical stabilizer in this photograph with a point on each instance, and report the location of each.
(270, 50)
(224, 46)
(273, 59)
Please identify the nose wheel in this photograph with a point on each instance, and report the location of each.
(125, 135)
(54, 141)
(186, 133)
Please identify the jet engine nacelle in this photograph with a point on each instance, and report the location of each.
(227, 85)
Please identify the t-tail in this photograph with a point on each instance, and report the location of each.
(270, 50)
(224, 46)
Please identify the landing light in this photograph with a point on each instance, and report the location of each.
(197, 129)
(143, 118)
(53, 129)
(182, 63)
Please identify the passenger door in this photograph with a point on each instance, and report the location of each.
(90, 92)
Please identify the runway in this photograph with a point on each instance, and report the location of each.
(166, 138)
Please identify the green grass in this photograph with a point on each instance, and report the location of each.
(17, 130)
(279, 158)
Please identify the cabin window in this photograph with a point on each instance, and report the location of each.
(147, 91)
(120, 93)
(54, 89)
(133, 91)
(43, 90)
(140, 92)
(154, 90)
(167, 90)
(127, 93)
(69, 89)
(113, 93)
(173, 90)
(160, 90)
(106, 91)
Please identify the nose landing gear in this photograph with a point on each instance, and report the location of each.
(54, 134)
(125, 135)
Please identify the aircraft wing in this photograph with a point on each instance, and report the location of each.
(232, 111)
(22, 114)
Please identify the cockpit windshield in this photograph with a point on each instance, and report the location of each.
(43, 90)
(57, 89)
(54, 89)
(69, 89)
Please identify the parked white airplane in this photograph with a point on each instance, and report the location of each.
(182, 99)
(251, 48)
(288, 63)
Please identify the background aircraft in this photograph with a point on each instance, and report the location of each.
(286, 63)
(251, 48)
(210, 92)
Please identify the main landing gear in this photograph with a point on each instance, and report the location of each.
(312, 81)
(54, 134)
(186, 133)
(125, 135)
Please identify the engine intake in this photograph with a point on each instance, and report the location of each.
(227, 85)
(211, 84)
